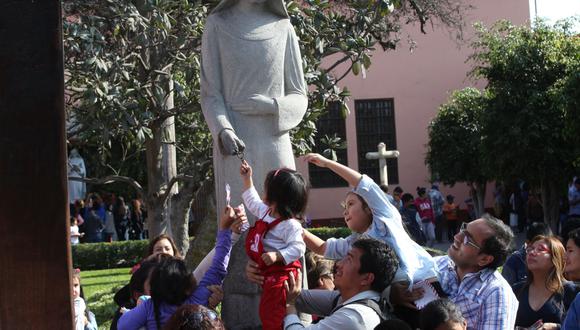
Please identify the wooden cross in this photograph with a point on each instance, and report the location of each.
(382, 154)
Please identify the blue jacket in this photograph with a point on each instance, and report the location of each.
(572, 321)
(515, 269)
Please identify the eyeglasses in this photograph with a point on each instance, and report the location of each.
(466, 237)
(537, 250)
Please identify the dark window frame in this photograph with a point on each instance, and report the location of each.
(329, 124)
(375, 123)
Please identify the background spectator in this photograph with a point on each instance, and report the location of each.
(572, 269)
(451, 213)
(545, 295)
(411, 219)
(442, 314)
(425, 209)
(437, 202)
(515, 269)
(74, 231)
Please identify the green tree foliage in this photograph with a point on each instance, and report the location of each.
(530, 124)
(455, 146)
(132, 68)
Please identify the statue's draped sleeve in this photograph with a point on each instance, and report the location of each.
(212, 100)
(292, 106)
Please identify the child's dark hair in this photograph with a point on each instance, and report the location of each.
(450, 198)
(393, 324)
(440, 311)
(171, 283)
(137, 282)
(194, 317)
(537, 229)
(421, 190)
(384, 188)
(407, 197)
(288, 189)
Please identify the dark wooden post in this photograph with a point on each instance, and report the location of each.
(35, 259)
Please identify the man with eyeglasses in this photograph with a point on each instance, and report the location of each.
(469, 276)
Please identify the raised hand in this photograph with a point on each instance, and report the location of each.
(317, 160)
(270, 258)
(241, 220)
(293, 287)
(228, 217)
(246, 173)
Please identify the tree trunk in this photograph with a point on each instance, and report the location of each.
(551, 203)
(169, 165)
(161, 168)
(156, 210)
(180, 206)
(204, 210)
(477, 193)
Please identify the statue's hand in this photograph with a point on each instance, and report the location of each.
(230, 144)
(256, 105)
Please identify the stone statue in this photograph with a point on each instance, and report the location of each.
(252, 94)
(76, 169)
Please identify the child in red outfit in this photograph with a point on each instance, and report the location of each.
(275, 241)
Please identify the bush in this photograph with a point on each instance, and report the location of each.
(327, 232)
(92, 256)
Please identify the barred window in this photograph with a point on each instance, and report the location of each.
(375, 123)
(331, 123)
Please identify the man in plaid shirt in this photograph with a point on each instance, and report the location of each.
(469, 277)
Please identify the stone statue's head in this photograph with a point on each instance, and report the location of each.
(276, 6)
(74, 153)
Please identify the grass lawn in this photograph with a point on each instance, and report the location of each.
(99, 287)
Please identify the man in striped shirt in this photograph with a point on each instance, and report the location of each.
(469, 277)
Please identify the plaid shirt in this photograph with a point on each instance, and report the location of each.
(485, 299)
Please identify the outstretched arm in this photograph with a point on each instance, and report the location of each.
(313, 242)
(351, 176)
(218, 269)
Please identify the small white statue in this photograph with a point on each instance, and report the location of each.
(76, 169)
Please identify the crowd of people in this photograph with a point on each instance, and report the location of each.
(379, 277)
(106, 219)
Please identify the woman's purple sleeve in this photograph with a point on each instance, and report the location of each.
(134, 318)
(217, 271)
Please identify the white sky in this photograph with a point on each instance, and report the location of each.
(554, 10)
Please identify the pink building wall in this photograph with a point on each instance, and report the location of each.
(419, 82)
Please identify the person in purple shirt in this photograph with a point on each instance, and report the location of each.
(172, 285)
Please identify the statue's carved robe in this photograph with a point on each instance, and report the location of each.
(235, 66)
